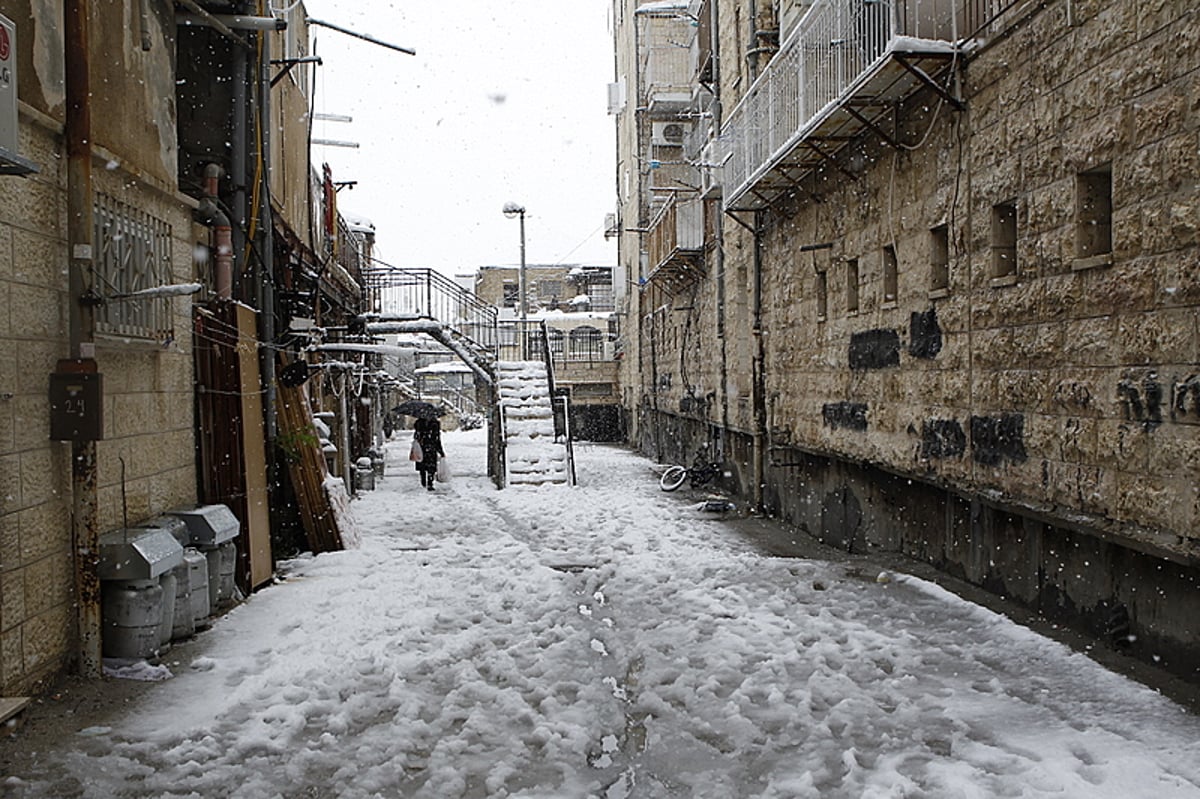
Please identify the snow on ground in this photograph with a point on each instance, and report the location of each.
(609, 641)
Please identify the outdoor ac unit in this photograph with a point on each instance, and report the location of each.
(610, 226)
(668, 133)
(616, 97)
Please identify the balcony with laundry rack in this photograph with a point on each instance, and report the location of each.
(839, 75)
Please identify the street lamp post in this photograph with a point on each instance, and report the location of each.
(517, 210)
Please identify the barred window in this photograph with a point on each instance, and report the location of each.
(132, 253)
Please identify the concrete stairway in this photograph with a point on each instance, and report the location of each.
(532, 454)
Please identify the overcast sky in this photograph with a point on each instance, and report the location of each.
(503, 102)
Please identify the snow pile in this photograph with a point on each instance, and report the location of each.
(610, 642)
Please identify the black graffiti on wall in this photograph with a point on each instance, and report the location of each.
(848, 415)
(942, 438)
(1141, 401)
(874, 349)
(995, 439)
(924, 334)
(1186, 396)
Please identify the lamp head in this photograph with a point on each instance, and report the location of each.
(513, 209)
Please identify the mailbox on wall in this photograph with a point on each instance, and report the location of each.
(76, 402)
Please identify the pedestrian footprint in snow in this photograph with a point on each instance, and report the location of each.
(427, 435)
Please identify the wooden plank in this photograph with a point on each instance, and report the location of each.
(256, 526)
(11, 706)
(306, 465)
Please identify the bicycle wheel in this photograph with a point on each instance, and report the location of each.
(673, 478)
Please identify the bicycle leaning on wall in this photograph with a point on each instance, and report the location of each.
(701, 473)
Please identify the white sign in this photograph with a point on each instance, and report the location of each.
(8, 85)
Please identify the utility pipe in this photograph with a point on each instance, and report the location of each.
(758, 389)
(267, 255)
(232, 22)
(85, 529)
(222, 233)
(237, 170)
(212, 22)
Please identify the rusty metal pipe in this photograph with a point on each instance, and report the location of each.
(85, 518)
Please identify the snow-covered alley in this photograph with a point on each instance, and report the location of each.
(609, 640)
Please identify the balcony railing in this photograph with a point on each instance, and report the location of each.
(675, 242)
(844, 66)
(397, 293)
(666, 63)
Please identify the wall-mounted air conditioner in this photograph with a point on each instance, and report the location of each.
(10, 162)
(616, 97)
(668, 133)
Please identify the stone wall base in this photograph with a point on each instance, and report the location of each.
(1139, 604)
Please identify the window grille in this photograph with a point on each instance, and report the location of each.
(132, 253)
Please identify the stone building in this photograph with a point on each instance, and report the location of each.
(131, 161)
(943, 300)
(577, 305)
(142, 237)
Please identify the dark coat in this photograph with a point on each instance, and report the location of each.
(428, 433)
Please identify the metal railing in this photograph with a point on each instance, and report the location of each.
(461, 402)
(831, 48)
(666, 62)
(396, 292)
(677, 227)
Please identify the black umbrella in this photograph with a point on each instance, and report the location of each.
(419, 409)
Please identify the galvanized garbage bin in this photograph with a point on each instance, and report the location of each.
(177, 588)
(132, 562)
(212, 530)
(364, 475)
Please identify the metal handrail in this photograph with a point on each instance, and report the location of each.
(421, 293)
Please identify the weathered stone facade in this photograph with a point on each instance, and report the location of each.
(145, 464)
(865, 351)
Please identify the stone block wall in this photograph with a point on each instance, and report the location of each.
(1065, 387)
(146, 462)
(1035, 430)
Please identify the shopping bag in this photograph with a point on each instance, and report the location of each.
(416, 453)
(443, 470)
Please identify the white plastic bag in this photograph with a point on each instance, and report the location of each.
(416, 453)
(443, 470)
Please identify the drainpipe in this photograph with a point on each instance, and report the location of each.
(85, 513)
(266, 284)
(237, 167)
(222, 233)
(758, 391)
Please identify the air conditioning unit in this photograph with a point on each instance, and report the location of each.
(610, 226)
(668, 133)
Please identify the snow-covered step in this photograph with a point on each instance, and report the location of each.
(530, 428)
(532, 455)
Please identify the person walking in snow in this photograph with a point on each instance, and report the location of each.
(428, 433)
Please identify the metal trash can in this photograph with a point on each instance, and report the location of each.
(133, 612)
(364, 475)
(212, 530)
(197, 564)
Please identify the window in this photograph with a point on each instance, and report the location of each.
(891, 277)
(852, 286)
(1093, 214)
(586, 344)
(822, 296)
(1004, 241)
(133, 253)
(939, 258)
(511, 291)
(550, 289)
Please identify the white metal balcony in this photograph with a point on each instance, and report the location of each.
(665, 61)
(840, 72)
